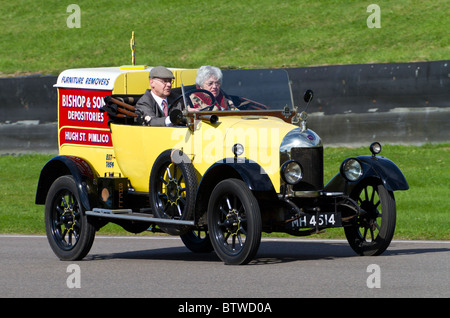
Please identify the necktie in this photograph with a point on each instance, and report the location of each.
(165, 108)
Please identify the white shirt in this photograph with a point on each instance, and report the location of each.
(159, 101)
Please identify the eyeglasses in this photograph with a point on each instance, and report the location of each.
(164, 81)
(211, 83)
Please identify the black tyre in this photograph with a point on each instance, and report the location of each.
(371, 233)
(197, 241)
(68, 229)
(172, 189)
(234, 222)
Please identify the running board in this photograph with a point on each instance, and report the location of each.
(128, 214)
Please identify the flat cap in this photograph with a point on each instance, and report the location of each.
(161, 72)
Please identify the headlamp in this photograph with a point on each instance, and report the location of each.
(291, 172)
(238, 149)
(351, 169)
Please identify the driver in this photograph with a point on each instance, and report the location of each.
(155, 105)
(209, 78)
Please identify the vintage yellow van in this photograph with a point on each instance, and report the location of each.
(216, 178)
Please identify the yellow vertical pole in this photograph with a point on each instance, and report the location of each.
(133, 49)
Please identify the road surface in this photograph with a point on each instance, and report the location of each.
(161, 267)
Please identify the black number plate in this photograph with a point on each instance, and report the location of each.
(322, 220)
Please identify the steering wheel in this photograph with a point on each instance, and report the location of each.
(197, 90)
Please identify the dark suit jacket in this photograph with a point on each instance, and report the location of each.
(148, 107)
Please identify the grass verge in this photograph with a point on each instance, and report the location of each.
(35, 35)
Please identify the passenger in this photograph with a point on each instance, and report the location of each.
(154, 104)
(209, 78)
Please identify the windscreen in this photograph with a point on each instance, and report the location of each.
(268, 87)
(240, 90)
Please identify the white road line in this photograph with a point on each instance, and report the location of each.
(264, 239)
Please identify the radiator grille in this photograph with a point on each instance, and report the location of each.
(311, 160)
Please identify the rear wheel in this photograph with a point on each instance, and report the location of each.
(69, 231)
(197, 241)
(234, 222)
(372, 231)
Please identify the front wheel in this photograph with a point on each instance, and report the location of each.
(69, 231)
(234, 222)
(371, 232)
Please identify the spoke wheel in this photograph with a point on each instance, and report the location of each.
(197, 241)
(172, 191)
(372, 231)
(234, 222)
(68, 230)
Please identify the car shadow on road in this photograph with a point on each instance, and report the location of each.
(270, 252)
(284, 252)
(414, 251)
(166, 253)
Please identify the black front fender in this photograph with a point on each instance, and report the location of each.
(80, 169)
(248, 171)
(373, 167)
